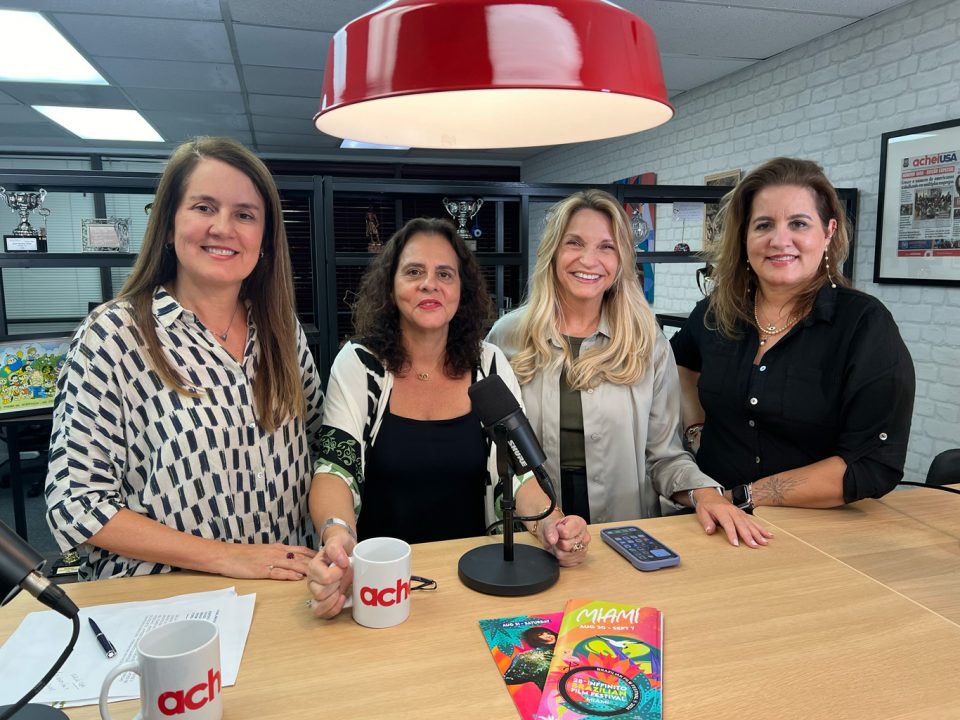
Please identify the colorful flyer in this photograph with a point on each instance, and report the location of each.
(522, 647)
(607, 664)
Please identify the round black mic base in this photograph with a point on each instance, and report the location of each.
(36, 712)
(532, 570)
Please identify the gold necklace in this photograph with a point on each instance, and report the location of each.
(423, 376)
(770, 329)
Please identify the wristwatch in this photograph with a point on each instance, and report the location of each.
(742, 497)
(329, 522)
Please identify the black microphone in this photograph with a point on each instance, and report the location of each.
(496, 405)
(521, 569)
(19, 564)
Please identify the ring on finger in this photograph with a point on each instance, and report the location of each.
(578, 546)
(269, 567)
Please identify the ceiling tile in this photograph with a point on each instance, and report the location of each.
(7, 99)
(171, 74)
(149, 39)
(186, 9)
(732, 31)
(282, 81)
(285, 105)
(213, 102)
(70, 95)
(281, 47)
(683, 73)
(298, 125)
(306, 14)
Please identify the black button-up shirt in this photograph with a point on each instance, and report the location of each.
(840, 382)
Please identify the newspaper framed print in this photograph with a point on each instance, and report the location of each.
(918, 206)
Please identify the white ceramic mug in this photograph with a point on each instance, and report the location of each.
(381, 582)
(179, 669)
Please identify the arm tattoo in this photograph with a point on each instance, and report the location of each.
(775, 490)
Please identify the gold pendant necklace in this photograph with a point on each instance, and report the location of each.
(770, 329)
(423, 376)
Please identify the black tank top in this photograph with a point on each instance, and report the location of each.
(425, 480)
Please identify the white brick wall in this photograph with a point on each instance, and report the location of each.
(829, 100)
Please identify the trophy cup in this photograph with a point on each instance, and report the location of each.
(463, 211)
(24, 238)
(641, 229)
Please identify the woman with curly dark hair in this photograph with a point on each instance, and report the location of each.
(399, 436)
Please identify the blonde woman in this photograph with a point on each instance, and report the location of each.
(599, 381)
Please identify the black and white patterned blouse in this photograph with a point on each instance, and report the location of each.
(123, 439)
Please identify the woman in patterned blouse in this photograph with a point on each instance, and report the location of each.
(398, 428)
(184, 408)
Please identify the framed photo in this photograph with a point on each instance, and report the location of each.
(105, 234)
(918, 206)
(29, 366)
(728, 178)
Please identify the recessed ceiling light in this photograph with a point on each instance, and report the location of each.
(100, 124)
(32, 50)
(358, 145)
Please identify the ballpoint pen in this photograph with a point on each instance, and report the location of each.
(107, 646)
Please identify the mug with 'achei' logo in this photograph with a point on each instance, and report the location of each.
(381, 582)
(179, 668)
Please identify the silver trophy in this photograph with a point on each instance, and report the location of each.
(463, 211)
(24, 237)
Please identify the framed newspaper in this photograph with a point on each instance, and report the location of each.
(918, 206)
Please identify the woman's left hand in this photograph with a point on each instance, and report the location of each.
(565, 537)
(714, 510)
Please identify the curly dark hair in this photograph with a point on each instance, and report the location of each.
(376, 319)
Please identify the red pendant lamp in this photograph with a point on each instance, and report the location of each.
(462, 74)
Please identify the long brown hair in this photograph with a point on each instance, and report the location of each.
(278, 390)
(731, 301)
(376, 318)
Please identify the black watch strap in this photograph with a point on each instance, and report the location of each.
(742, 496)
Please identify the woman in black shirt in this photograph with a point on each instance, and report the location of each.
(803, 385)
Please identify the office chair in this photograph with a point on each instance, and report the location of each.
(945, 468)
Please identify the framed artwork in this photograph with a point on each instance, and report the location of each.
(29, 366)
(728, 178)
(918, 206)
(105, 234)
(643, 223)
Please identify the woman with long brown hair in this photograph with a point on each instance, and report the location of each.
(182, 416)
(803, 386)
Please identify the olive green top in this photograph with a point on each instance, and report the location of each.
(572, 451)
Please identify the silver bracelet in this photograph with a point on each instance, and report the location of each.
(339, 523)
(693, 500)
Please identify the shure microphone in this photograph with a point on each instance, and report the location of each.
(496, 405)
(522, 569)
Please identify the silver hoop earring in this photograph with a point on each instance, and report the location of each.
(261, 253)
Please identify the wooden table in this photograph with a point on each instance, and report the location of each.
(909, 540)
(781, 632)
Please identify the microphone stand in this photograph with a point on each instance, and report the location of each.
(520, 569)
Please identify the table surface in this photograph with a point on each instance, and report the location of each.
(908, 540)
(780, 632)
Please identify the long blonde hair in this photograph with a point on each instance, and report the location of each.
(633, 327)
(731, 302)
(277, 389)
